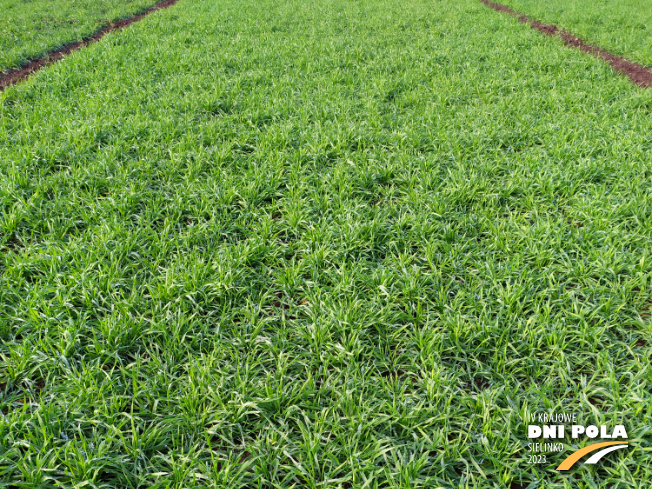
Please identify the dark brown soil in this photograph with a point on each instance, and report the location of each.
(14, 76)
(638, 74)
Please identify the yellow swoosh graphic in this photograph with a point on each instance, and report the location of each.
(574, 457)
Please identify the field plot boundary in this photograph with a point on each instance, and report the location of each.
(638, 74)
(19, 74)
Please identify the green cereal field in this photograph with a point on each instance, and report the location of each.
(291, 244)
(30, 28)
(622, 26)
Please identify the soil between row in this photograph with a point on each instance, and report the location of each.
(15, 76)
(638, 74)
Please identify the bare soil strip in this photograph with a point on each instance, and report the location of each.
(638, 74)
(14, 76)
